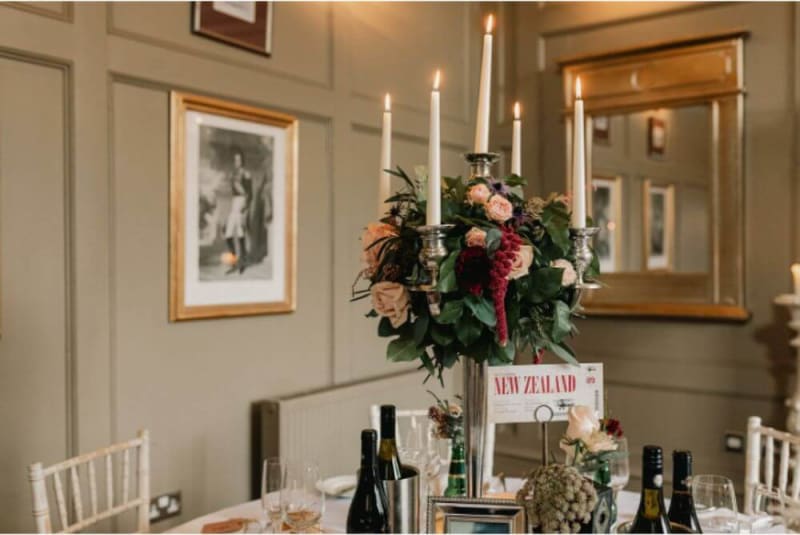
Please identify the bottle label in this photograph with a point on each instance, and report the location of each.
(651, 503)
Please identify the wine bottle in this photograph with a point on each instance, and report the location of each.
(368, 511)
(388, 460)
(652, 515)
(681, 507)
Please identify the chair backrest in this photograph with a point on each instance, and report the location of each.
(71, 469)
(762, 445)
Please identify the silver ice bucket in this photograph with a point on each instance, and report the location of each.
(403, 498)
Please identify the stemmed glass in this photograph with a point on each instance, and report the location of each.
(619, 466)
(302, 504)
(715, 503)
(273, 473)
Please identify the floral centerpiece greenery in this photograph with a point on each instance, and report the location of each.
(507, 284)
(589, 442)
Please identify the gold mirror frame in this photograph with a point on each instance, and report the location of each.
(705, 70)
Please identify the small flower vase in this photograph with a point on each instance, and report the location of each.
(457, 477)
(605, 512)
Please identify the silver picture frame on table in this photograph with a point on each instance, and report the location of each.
(474, 515)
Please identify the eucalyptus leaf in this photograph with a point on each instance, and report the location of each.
(441, 335)
(420, 328)
(447, 273)
(562, 351)
(468, 329)
(385, 328)
(545, 284)
(451, 311)
(492, 240)
(403, 349)
(562, 325)
(482, 309)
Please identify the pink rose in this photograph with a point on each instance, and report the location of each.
(499, 209)
(476, 237)
(478, 194)
(522, 262)
(569, 277)
(390, 300)
(370, 257)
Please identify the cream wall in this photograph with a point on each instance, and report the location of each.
(679, 383)
(87, 355)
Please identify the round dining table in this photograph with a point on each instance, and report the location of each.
(334, 518)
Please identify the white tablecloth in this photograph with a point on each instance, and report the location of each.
(334, 518)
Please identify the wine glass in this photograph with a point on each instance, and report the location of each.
(619, 466)
(715, 503)
(302, 504)
(272, 474)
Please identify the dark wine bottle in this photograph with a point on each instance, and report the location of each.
(681, 507)
(368, 511)
(652, 515)
(388, 460)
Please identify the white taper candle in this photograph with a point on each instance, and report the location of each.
(485, 91)
(578, 163)
(433, 215)
(796, 278)
(384, 184)
(516, 143)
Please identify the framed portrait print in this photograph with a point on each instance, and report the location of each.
(656, 137)
(606, 210)
(601, 129)
(233, 196)
(244, 24)
(474, 515)
(659, 226)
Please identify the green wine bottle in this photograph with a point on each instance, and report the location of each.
(457, 477)
(388, 460)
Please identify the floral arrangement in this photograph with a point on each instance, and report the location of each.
(589, 441)
(507, 284)
(558, 499)
(448, 419)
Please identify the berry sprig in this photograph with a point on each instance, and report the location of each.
(502, 262)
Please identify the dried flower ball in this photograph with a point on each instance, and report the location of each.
(557, 498)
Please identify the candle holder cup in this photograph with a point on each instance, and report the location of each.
(582, 251)
(480, 163)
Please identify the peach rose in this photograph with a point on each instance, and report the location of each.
(390, 300)
(522, 262)
(476, 237)
(581, 422)
(478, 194)
(569, 277)
(499, 209)
(600, 441)
(370, 257)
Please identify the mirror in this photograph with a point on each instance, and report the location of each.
(664, 157)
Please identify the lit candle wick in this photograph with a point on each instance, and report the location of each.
(489, 24)
(436, 79)
(387, 102)
(578, 87)
(516, 110)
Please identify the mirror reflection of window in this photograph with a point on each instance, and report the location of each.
(651, 190)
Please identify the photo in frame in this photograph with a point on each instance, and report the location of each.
(601, 129)
(244, 24)
(233, 196)
(659, 226)
(606, 210)
(475, 515)
(656, 137)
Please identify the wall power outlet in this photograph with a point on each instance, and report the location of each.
(165, 506)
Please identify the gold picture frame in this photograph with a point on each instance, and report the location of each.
(235, 219)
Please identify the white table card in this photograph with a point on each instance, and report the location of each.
(515, 392)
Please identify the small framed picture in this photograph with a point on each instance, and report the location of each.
(474, 515)
(659, 226)
(247, 25)
(601, 129)
(606, 210)
(233, 198)
(656, 137)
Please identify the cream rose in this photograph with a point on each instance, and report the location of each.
(499, 209)
(390, 300)
(569, 277)
(370, 254)
(522, 262)
(600, 441)
(476, 237)
(479, 194)
(581, 422)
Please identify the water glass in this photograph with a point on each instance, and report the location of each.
(272, 475)
(619, 466)
(302, 505)
(715, 503)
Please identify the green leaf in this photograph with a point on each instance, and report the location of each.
(442, 336)
(562, 351)
(562, 325)
(515, 180)
(468, 330)
(447, 273)
(385, 328)
(492, 240)
(420, 328)
(501, 355)
(545, 284)
(451, 311)
(403, 349)
(482, 309)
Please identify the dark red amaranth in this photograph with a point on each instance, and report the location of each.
(498, 278)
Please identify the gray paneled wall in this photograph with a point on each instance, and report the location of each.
(87, 355)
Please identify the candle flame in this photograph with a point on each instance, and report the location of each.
(516, 110)
(436, 79)
(578, 87)
(796, 270)
(489, 23)
(387, 102)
